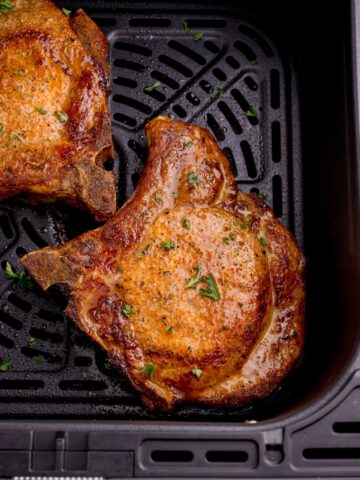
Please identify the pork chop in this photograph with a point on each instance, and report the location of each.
(55, 130)
(195, 291)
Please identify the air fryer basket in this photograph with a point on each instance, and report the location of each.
(236, 82)
(279, 97)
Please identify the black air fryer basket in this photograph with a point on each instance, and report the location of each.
(276, 83)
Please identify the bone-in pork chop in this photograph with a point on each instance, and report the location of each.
(195, 291)
(55, 130)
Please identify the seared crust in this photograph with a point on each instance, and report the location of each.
(241, 345)
(53, 63)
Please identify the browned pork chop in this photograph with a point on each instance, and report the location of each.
(195, 291)
(55, 130)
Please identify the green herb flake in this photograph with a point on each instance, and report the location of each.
(158, 199)
(186, 27)
(194, 281)
(38, 359)
(2, 128)
(24, 281)
(248, 224)
(193, 179)
(174, 194)
(12, 137)
(197, 372)
(41, 110)
(186, 223)
(66, 12)
(6, 6)
(61, 116)
(251, 112)
(145, 250)
(212, 290)
(5, 364)
(170, 329)
(187, 144)
(167, 245)
(127, 309)
(263, 196)
(28, 219)
(10, 273)
(220, 93)
(152, 87)
(231, 236)
(254, 62)
(262, 241)
(198, 36)
(148, 370)
(32, 341)
(20, 72)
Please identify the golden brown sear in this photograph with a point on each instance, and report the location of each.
(55, 130)
(195, 291)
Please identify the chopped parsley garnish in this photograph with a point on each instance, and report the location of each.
(61, 116)
(148, 370)
(6, 6)
(38, 359)
(152, 87)
(231, 236)
(145, 250)
(168, 245)
(248, 224)
(194, 281)
(24, 281)
(9, 272)
(32, 341)
(251, 112)
(212, 290)
(170, 329)
(263, 196)
(41, 110)
(2, 127)
(220, 93)
(127, 309)
(20, 72)
(197, 372)
(158, 199)
(198, 36)
(66, 12)
(12, 137)
(186, 27)
(186, 223)
(254, 62)
(193, 179)
(262, 241)
(187, 144)
(5, 364)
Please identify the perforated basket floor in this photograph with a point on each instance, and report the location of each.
(220, 71)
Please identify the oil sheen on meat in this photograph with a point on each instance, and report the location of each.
(195, 291)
